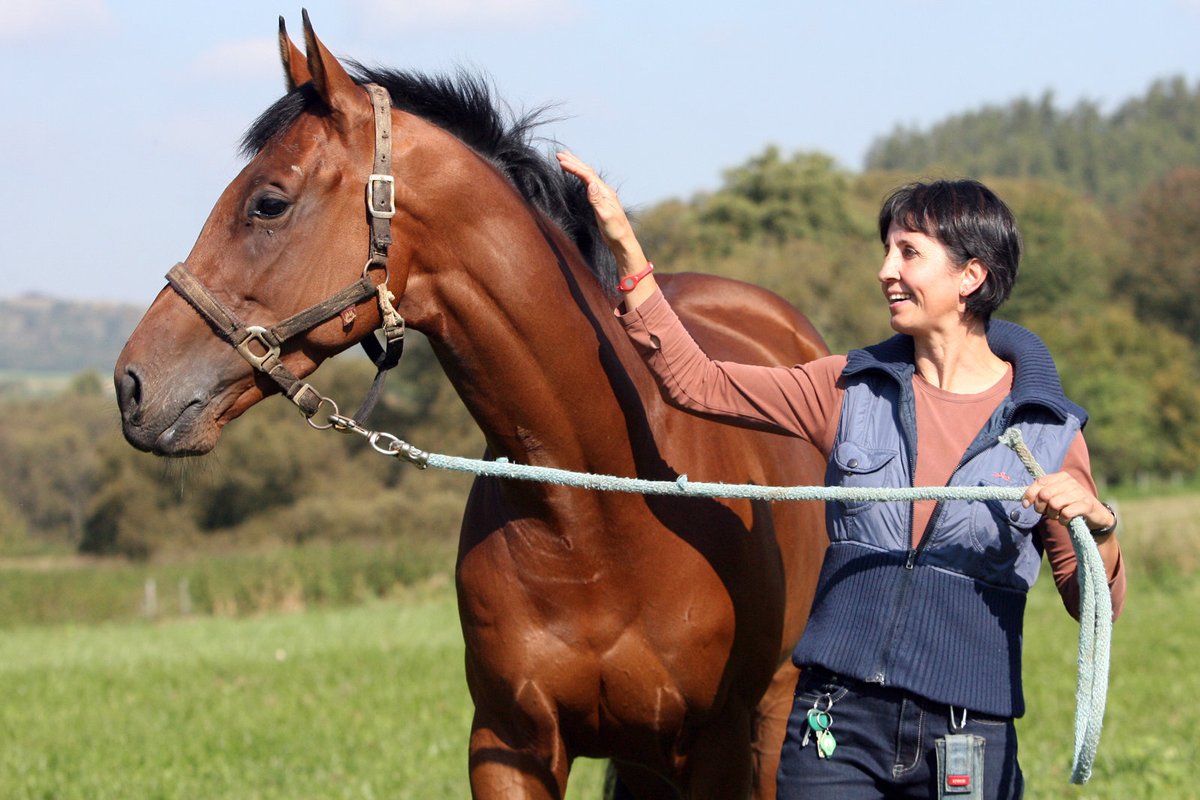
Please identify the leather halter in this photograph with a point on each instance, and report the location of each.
(261, 346)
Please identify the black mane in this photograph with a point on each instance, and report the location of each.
(464, 106)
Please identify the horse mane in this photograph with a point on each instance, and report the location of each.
(465, 107)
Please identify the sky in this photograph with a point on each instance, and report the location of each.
(122, 117)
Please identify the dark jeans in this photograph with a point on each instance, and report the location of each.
(885, 744)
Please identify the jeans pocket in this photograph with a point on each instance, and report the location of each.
(818, 684)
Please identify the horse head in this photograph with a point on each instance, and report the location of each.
(292, 232)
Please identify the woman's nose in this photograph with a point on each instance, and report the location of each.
(889, 270)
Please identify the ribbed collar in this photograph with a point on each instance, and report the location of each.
(1035, 378)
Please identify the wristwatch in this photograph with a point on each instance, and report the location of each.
(1108, 528)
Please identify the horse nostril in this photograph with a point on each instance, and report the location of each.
(129, 392)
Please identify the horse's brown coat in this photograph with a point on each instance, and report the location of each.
(644, 629)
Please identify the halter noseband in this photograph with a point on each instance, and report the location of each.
(261, 346)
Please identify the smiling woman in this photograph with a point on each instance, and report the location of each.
(913, 647)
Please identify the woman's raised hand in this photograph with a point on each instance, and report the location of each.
(614, 224)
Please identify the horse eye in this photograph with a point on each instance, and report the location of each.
(269, 207)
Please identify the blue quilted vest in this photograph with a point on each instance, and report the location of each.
(943, 620)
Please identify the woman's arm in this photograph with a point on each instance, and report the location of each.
(616, 229)
(801, 401)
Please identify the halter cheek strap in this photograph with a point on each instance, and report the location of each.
(261, 346)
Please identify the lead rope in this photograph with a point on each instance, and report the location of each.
(1095, 604)
(1095, 629)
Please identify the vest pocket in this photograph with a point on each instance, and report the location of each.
(998, 527)
(862, 467)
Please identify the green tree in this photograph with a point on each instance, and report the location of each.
(49, 464)
(1140, 384)
(272, 478)
(1071, 249)
(14, 533)
(1110, 158)
(797, 225)
(768, 197)
(669, 232)
(135, 505)
(1162, 273)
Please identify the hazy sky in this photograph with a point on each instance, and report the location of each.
(121, 117)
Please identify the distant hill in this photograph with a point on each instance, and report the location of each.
(47, 335)
(1111, 157)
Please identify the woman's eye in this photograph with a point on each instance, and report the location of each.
(269, 207)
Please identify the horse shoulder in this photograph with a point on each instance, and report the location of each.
(738, 321)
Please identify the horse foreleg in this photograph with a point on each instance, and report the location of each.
(523, 758)
(770, 726)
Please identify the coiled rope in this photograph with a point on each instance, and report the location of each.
(1095, 629)
(1095, 602)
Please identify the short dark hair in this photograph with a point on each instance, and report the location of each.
(971, 222)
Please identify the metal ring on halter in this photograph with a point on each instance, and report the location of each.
(335, 413)
(372, 263)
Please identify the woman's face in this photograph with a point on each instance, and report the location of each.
(925, 290)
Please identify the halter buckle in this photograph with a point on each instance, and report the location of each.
(389, 183)
(257, 334)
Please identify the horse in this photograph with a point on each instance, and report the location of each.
(651, 631)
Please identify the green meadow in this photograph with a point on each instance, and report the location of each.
(366, 699)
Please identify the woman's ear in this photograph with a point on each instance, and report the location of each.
(973, 276)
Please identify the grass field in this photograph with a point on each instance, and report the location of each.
(369, 700)
(361, 702)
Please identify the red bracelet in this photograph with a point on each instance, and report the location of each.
(630, 282)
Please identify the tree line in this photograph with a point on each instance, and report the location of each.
(1108, 280)
(69, 481)
(1109, 157)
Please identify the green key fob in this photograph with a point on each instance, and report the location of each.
(825, 744)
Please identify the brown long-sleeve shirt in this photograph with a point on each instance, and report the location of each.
(805, 401)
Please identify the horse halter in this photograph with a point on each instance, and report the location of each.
(261, 346)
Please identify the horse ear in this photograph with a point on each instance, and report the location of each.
(295, 67)
(333, 83)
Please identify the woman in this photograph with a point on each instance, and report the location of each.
(911, 657)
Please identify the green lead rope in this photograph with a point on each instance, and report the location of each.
(1095, 629)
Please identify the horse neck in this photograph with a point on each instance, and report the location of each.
(526, 335)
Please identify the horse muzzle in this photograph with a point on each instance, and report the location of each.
(168, 414)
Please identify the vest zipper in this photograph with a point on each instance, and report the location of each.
(973, 450)
(910, 561)
(909, 431)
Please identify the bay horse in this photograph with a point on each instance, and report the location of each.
(651, 631)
